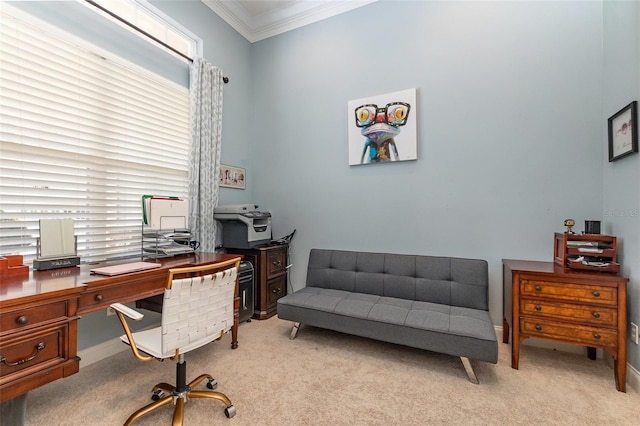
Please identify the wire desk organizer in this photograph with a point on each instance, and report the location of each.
(165, 230)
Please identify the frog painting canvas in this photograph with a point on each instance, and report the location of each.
(382, 128)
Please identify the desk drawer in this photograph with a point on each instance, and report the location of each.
(103, 296)
(276, 262)
(29, 317)
(572, 292)
(588, 336)
(595, 315)
(33, 352)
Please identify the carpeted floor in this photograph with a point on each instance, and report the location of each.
(327, 378)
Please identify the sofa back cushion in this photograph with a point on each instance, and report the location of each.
(444, 280)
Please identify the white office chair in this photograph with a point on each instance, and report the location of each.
(197, 309)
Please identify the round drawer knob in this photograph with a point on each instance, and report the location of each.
(99, 298)
(538, 288)
(538, 327)
(538, 308)
(596, 336)
(596, 294)
(596, 315)
(22, 320)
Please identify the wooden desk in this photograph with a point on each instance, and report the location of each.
(39, 314)
(545, 300)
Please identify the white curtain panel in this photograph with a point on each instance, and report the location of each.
(206, 134)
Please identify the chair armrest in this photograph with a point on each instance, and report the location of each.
(125, 310)
(122, 311)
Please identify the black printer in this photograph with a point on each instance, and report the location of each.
(243, 225)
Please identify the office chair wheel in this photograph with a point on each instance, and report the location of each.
(212, 384)
(157, 395)
(230, 411)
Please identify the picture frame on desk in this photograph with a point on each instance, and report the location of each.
(232, 177)
(623, 132)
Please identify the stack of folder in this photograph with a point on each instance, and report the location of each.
(165, 226)
(165, 213)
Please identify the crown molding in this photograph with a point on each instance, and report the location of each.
(278, 21)
(233, 14)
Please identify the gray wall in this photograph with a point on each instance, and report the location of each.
(511, 109)
(509, 112)
(622, 178)
(512, 101)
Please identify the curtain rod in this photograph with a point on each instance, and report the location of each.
(140, 30)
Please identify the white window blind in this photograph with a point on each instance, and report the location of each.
(83, 136)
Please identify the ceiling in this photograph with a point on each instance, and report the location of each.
(260, 19)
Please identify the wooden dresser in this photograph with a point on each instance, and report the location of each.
(270, 268)
(547, 301)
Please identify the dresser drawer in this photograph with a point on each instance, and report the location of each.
(32, 352)
(588, 336)
(276, 262)
(572, 292)
(594, 315)
(29, 317)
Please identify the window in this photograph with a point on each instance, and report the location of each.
(83, 135)
(148, 19)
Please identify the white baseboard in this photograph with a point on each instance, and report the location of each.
(101, 351)
(633, 375)
(633, 378)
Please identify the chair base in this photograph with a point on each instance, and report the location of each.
(180, 395)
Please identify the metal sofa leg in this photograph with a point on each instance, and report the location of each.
(294, 330)
(467, 367)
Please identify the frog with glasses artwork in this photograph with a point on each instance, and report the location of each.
(379, 125)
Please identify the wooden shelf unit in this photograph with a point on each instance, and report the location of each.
(570, 246)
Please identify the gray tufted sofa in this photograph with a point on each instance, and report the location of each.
(435, 303)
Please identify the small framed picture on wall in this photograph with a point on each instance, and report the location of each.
(623, 132)
(232, 177)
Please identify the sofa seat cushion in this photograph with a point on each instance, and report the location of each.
(409, 319)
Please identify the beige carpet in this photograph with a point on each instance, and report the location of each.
(327, 378)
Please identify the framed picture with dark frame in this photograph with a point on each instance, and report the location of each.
(623, 132)
(232, 177)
